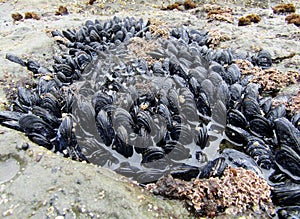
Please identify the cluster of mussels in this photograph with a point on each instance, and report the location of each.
(101, 104)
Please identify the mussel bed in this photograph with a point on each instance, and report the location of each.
(173, 112)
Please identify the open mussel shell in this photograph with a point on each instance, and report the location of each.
(288, 162)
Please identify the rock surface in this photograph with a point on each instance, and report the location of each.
(39, 184)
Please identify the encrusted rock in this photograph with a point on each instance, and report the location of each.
(271, 80)
(216, 12)
(236, 192)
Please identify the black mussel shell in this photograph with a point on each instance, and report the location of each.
(288, 162)
(287, 194)
(176, 151)
(265, 104)
(296, 120)
(260, 152)
(287, 134)
(236, 158)
(121, 143)
(152, 154)
(104, 127)
(276, 112)
(214, 168)
(185, 172)
(261, 127)
(202, 137)
(33, 124)
(236, 118)
(263, 59)
(237, 135)
(250, 108)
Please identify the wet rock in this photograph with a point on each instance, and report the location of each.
(58, 187)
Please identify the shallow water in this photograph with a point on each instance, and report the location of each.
(9, 168)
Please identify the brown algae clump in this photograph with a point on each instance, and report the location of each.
(62, 10)
(284, 8)
(293, 19)
(17, 16)
(187, 4)
(247, 20)
(236, 192)
(32, 15)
